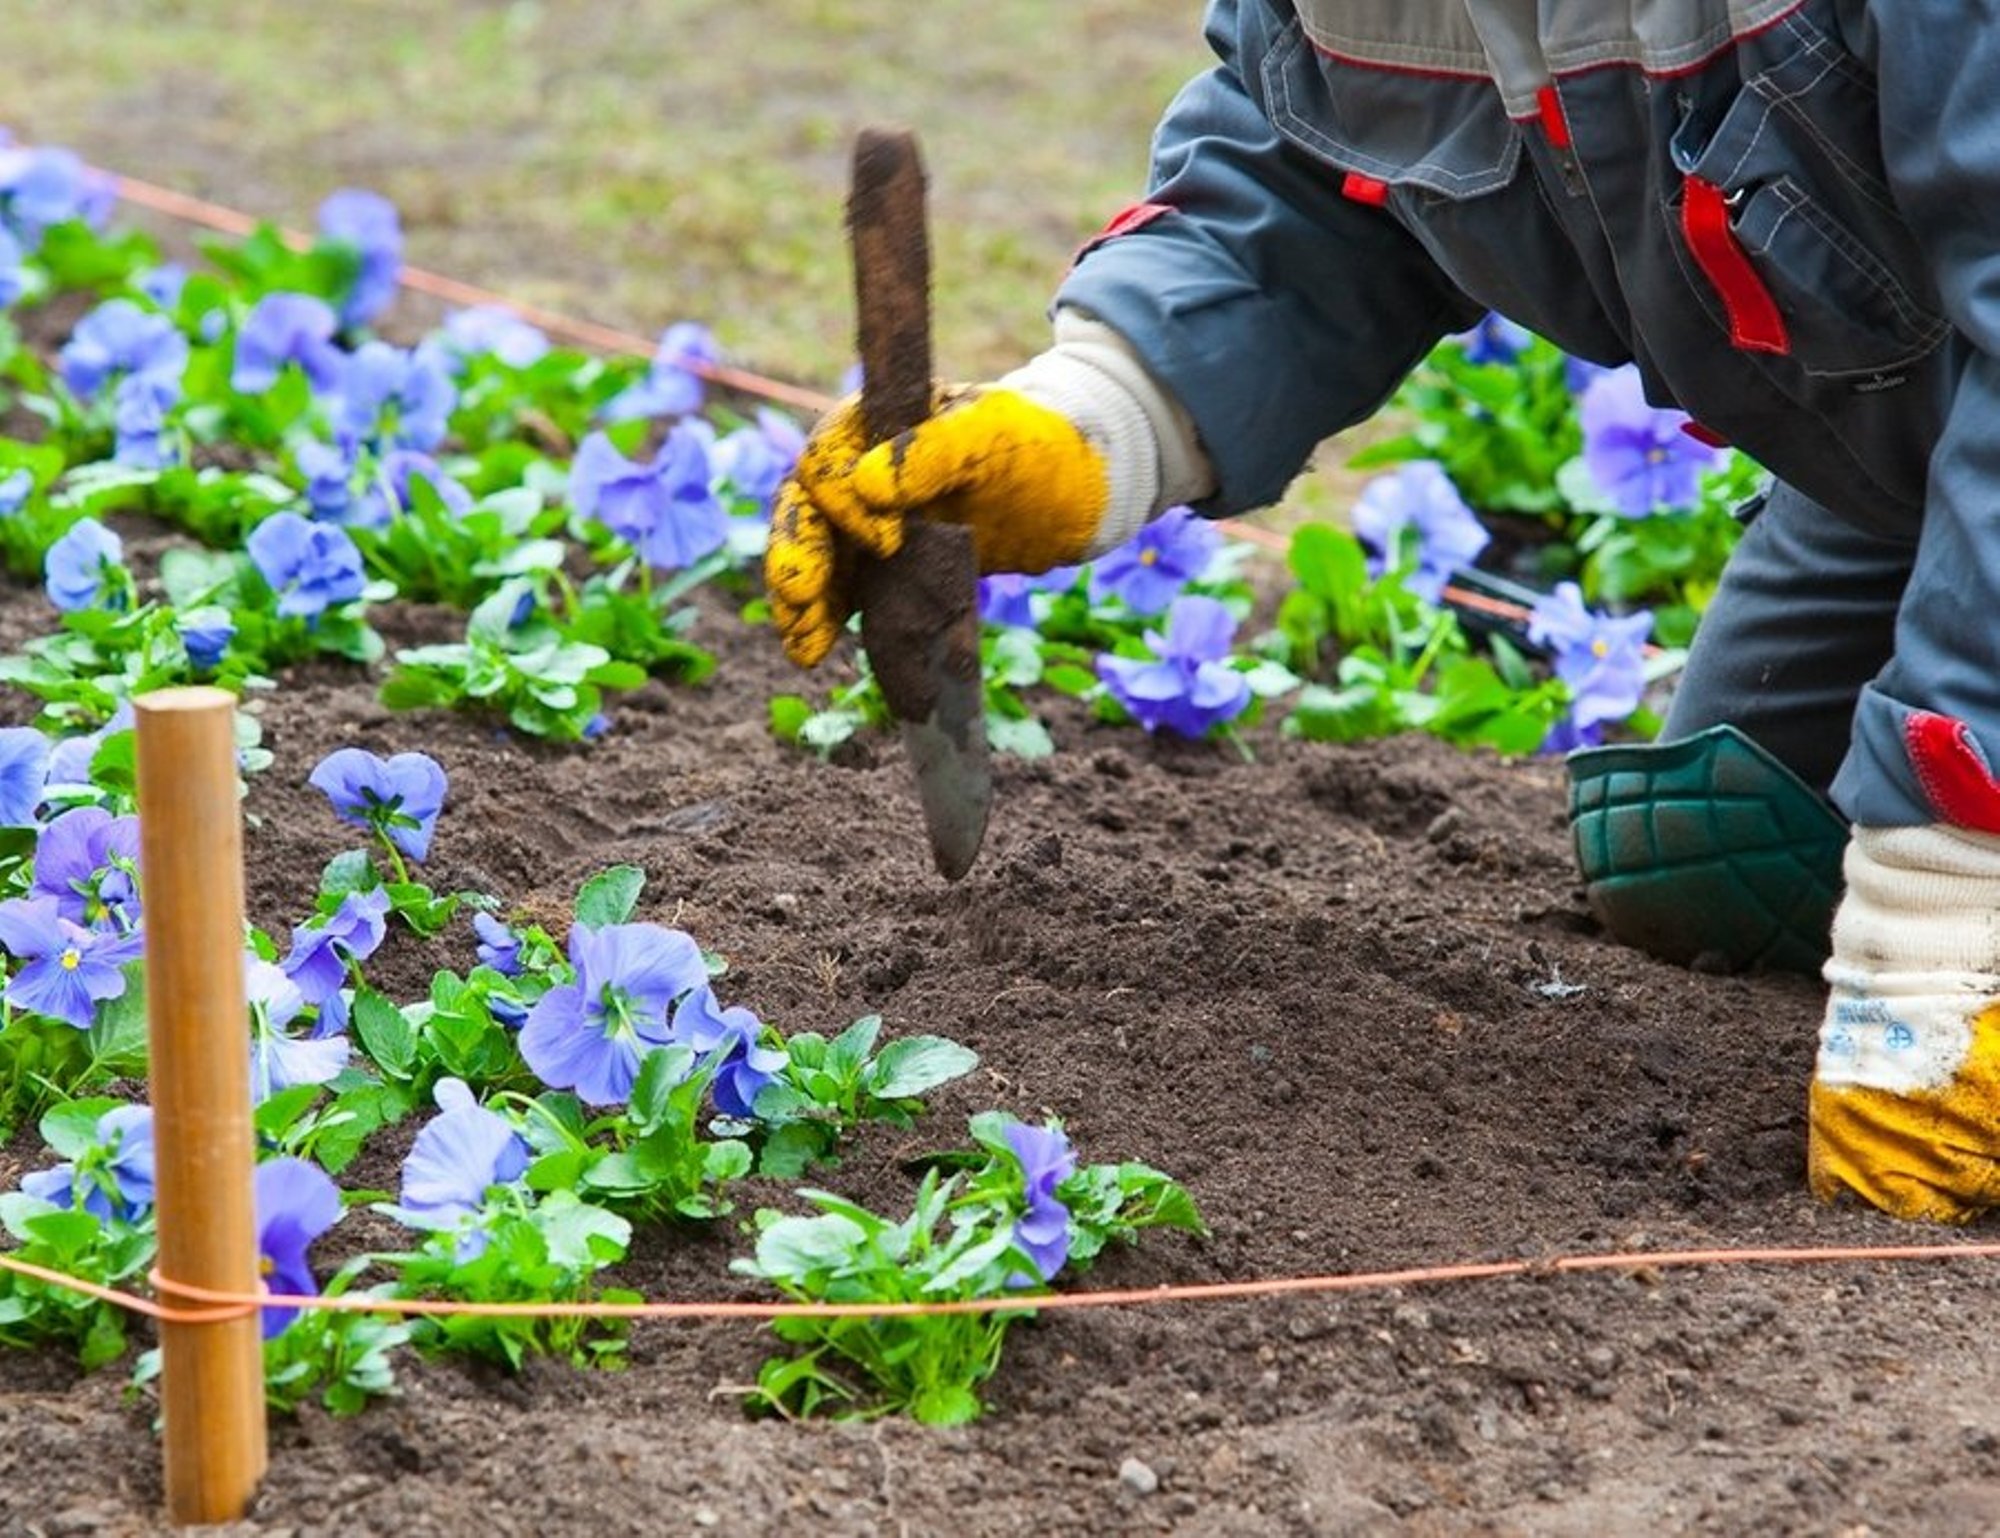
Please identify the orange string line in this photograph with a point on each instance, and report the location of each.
(230, 1305)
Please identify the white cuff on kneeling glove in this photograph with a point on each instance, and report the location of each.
(1151, 455)
(1916, 956)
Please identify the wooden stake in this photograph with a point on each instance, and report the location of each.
(191, 865)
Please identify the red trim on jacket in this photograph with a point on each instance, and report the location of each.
(1704, 434)
(1364, 189)
(1954, 775)
(1549, 112)
(1754, 321)
(1124, 222)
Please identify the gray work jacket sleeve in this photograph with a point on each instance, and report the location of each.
(1276, 310)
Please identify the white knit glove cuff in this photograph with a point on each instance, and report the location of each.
(1916, 954)
(1094, 378)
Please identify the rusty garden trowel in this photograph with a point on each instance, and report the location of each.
(920, 607)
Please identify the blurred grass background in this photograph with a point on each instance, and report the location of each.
(636, 163)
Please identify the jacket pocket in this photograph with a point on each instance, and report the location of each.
(1784, 222)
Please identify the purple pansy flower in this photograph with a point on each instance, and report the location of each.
(24, 771)
(284, 329)
(114, 1181)
(367, 221)
(67, 970)
(86, 862)
(398, 798)
(1149, 570)
(588, 1035)
(1189, 688)
(1419, 497)
(295, 1202)
(1638, 453)
(1007, 598)
(121, 338)
(746, 1065)
(162, 284)
(673, 385)
(312, 567)
(665, 508)
(85, 569)
(1601, 657)
(70, 759)
(1046, 1162)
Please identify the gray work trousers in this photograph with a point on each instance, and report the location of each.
(1804, 620)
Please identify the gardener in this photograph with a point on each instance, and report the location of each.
(1788, 215)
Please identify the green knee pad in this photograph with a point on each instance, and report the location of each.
(1707, 851)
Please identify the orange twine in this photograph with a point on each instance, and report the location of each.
(220, 1306)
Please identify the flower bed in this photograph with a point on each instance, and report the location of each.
(1345, 991)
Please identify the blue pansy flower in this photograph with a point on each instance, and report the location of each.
(16, 486)
(70, 758)
(24, 772)
(674, 384)
(499, 947)
(43, 186)
(312, 567)
(735, 1038)
(85, 569)
(398, 798)
(1149, 570)
(114, 1180)
(458, 1156)
(139, 410)
(323, 951)
(665, 508)
(1418, 502)
(1601, 657)
(388, 491)
(1638, 453)
(1495, 339)
(491, 330)
(394, 398)
(588, 1035)
(283, 329)
(13, 271)
(755, 459)
(295, 1202)
(366, 221)
(87, 862)
(280, 1059)
(328, 471)
(205, 633)
(1189, 687)
(67, 970)
(1042, 1231)
(119, 339)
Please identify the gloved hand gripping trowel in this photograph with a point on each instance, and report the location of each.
(919, 607)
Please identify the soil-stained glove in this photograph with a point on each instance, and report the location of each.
(1905, 1106)
(1057, 462)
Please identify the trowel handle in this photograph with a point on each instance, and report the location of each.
(892, 281)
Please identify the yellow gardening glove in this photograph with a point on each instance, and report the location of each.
(1905, 1104)
(1020, 475)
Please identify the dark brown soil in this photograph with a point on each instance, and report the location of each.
(1349, 994)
